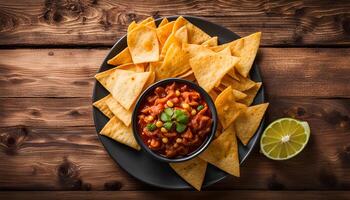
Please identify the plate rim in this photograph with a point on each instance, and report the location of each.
(258, 131)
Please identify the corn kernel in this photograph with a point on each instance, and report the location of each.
(150, 118)
(163, 130)
(177, 93)
(176, 145)
(185, 106)
(159, 124)
(165, 140)
(193, 112)
(170, 104)
(178, 140)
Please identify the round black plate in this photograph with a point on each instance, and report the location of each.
(138, 163)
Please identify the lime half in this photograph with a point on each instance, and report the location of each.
(284, 138)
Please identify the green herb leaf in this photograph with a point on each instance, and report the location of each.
(180, 127)
(200, 107)
(165, 117)
(183, 119)
(151, 127)
(177, 113)
(168, 125)
(169, 111)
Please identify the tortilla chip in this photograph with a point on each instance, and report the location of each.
(164, 32)
(175, 62)
(223, 152)
(163, 22)
(212, 42)
(196, 50)
(196, 35)
(133, 67)
(147, 21)
(121, 58)
(143, 44)
(151, 24)
(119, 111)
(245, 48)
(238, 95)
(116, 130)
(151, 79)
(102, 77)
(248, 122)
(102, 106)
(251, 93)
(181, 35)
(210, 69)
(179, 22)
(132, 26)
(126, 86)
(192, 171)
(225, 51)
(242, 85)
(226, 107)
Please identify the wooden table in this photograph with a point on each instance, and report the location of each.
(50, 50)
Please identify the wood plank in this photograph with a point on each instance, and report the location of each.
(315, 72)
(51, 156)
(173, 195)
(85, 22)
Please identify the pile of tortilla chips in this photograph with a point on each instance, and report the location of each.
(180, 49)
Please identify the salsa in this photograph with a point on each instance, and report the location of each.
(174, 120)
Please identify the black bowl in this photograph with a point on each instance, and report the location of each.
(206, 98)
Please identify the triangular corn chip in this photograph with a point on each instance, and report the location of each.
(132, 26)
(238, 95)
(248, 122)
(192, 171)
(245, 48)
(196, 35)
(102, 106)
(164, 32)
(226, 107)
(212, 42)
(225, 51)
(125, 86)
(151, 24)
(132, 67)
(143, 44)
(196, 50)
(163, 22)
(210, 69)
(179, 22)
(147, 21)
(223, 152)
(119, 111)
(102, 77)
(251, 93)
(116, 130)
(175, 63)
(181, 35)
(242, 85)
(121, 58)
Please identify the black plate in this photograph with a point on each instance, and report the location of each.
(138, 163)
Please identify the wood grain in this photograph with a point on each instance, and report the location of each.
(101, 22)
(50, 155)
(313, 72)
(173, 195)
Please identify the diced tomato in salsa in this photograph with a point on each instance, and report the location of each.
(174, 120)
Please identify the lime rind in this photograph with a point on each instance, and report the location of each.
(287, 148)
